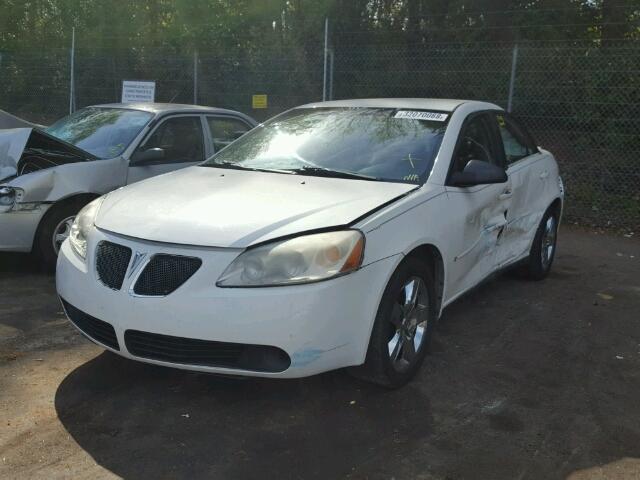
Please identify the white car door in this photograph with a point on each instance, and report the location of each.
(477, 214)
(522, 159)
(176, 142)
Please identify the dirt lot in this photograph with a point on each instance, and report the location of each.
(525, 381)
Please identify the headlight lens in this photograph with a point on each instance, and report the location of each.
(7, 198)
(304, 259)
(82, 225)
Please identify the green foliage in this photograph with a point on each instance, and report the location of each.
(577, 85)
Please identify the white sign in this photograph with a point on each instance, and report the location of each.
(135, 91)
(420, 115)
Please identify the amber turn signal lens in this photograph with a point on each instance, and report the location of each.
(355, 257)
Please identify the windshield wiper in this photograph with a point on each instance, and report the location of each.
(235, 166)
(327, 172)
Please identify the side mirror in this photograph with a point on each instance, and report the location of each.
(477, 172)
(147, 156)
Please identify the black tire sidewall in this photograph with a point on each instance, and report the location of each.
(44, 245)
(378, 362)
(537, 270)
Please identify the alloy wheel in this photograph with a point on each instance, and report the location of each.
(61, 233)
(409, 319)
(548, 242)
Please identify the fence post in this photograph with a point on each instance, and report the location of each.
(72, 86)
(331, 74)
(195, 77)
(512, 81)
(326, 55)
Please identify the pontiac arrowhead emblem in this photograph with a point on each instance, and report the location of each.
(138, 259)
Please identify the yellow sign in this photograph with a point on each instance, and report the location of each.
(259, 101)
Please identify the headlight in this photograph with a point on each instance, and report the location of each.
(304, 259)
(82, 225)
(11, 200)
(7, 198)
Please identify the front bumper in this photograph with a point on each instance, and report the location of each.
(18, 229)
(321, 326)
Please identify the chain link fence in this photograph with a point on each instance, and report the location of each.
(581, 101)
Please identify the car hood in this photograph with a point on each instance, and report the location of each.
(11, 121)
(27, 150)
(231, 208)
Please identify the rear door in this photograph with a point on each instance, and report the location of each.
(477, 215)
(522, 161)
(182, 141)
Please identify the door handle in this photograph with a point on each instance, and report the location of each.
(544, 174)
(506, 194)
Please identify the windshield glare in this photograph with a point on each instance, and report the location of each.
(104, 132)
(362, 141)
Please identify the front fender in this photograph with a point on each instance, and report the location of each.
(64, 181)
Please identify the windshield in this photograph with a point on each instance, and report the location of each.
(384, 144)
(104, 132)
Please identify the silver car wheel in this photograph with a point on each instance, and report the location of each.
(548, 242)
(61, 233)
(410, 318)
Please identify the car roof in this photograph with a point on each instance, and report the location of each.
(441, 104)
(165, 107)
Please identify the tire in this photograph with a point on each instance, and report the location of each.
(543, 249)
(55, 219)
(395, 334)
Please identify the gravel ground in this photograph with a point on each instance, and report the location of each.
(525, 381)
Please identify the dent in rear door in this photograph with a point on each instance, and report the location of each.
(524, 213)
(522, 216)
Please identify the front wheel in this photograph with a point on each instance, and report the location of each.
(54, 230)
(402, 328)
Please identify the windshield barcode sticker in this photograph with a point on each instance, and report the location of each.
(418, 115)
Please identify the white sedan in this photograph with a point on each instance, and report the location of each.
(331, 236)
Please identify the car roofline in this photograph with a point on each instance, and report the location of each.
(162, 109)
(438, 104)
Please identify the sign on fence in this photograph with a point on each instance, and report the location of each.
(138, 91)
(259, 101)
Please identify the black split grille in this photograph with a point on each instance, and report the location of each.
(165, 273)
(98, 330)
(112, 261)
(190, 351)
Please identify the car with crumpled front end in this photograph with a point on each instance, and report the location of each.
(48, 174)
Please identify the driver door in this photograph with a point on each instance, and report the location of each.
(477, 213)
(178, 141)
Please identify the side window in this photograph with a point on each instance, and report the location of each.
(515, 142)
(475, 144)
(225, 130)
(181, 139)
